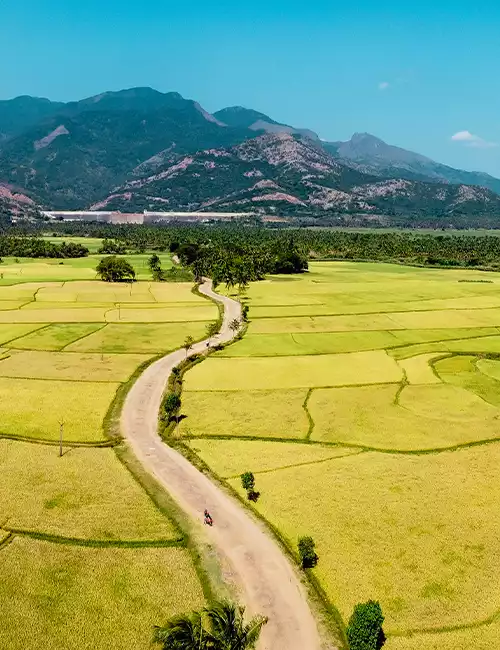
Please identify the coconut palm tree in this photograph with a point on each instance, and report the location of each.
(182, 633)
(227, 630)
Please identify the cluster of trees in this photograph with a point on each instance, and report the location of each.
(36, 247)
(112, 247)
(236, 263)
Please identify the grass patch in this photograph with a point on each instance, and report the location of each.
(78, 598)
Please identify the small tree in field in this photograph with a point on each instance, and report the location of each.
(244, 312)
(154, 264)
(307, 552)
(212, 330)
(115, 269)
(234, 325)
(188, 344)
(364, 631)
(248, 483)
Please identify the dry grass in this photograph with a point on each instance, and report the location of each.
(34, 408)
(270, 413)
(293, 372)
(86, 494)
(381, 532)
(58, 596)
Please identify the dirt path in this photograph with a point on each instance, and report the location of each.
(265, 578)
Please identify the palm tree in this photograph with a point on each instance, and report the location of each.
(182, 633)
(228, 630)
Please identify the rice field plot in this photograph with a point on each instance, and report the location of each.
(12, 331)
(293, 372)
(419, 417)
(54, 337)
(85, 494)
(381, 532)
(34, 408)
(269, 413)
(230, 458)
(288, 344)
(71, 366)
(463, 371)
(63, 596)
(484, 637)
(139, 338)
(67, 270)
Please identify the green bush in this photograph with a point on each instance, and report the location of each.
(364, 631)
(115, 269)
(307, 552)
(248, 481)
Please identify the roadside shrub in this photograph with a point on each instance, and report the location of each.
(307, 552)
(364, 631)
(248, 483)
(171, 405)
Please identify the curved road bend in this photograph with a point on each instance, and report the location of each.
(265, 578)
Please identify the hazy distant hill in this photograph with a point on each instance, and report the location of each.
(375, 156)
(142, 149)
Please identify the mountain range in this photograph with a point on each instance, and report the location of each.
(140, 149)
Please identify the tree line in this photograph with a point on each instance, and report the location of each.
(36, 247)
(264, 245)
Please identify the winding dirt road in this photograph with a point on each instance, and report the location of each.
(266, 580)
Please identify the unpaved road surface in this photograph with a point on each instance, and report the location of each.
(265, 579)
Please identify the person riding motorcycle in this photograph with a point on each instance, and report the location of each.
(208, 518)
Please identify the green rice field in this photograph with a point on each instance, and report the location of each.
(365, 398)
(88, 560)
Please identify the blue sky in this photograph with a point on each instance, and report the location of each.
(413, 73)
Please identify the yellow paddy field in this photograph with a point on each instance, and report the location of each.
(366, 400)
(87, 558)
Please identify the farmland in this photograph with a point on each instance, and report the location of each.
(365, 399)
(88, 559)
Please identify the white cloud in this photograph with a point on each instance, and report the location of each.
(472, 140)
(383, 85)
